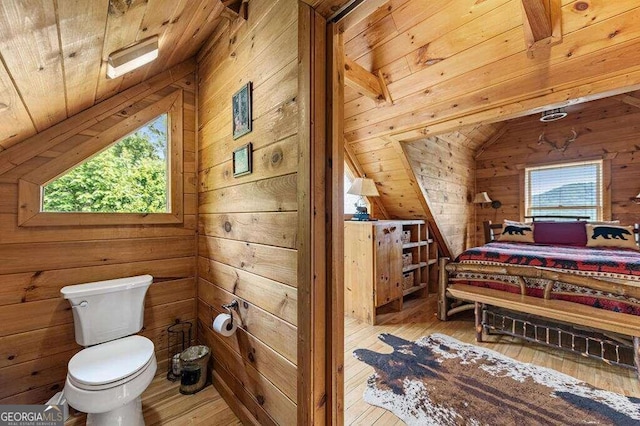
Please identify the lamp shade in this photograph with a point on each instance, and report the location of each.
(481, 197)
(363, 187)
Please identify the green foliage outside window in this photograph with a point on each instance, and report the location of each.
(128, 177)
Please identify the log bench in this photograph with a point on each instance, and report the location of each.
(547, 307)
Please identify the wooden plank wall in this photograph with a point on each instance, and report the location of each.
(37, 334)
(445, 171)
(248, 225)
(607, 128)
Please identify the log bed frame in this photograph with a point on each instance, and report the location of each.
(612, 327)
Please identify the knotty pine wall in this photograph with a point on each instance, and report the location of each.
(37, 335)
(248, 225)
(445, 170)
(607, 129)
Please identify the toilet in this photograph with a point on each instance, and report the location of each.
(105, 380)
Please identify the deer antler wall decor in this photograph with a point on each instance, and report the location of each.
(568, 141)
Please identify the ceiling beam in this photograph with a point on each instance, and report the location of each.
(537, 19)
(365, 82)
(358, 11)
(589, 91)
(542, 21)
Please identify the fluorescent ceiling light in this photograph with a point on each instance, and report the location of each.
(125, 60)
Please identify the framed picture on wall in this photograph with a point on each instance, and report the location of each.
(242, 160)
(241, 107)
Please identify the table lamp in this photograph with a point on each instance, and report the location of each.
(363, 187)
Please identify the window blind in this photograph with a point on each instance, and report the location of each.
(570, 189)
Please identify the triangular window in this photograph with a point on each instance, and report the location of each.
(120, 172)
(130, 176)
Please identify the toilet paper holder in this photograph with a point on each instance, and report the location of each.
(229, 306)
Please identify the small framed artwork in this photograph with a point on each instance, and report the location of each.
(241, 105)
(242, 160)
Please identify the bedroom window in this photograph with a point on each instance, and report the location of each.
(570, 189)
(349, 199)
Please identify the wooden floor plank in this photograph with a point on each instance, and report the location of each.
(417, 319)
(162, 404)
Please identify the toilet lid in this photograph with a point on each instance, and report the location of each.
(111, 361)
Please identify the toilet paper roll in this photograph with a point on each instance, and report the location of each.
(224, 325)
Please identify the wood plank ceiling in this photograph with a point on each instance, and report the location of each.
(53, 53)
(443, 60)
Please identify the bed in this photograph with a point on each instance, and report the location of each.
(577, 298)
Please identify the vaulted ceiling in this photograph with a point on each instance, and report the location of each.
(53, 53)
(442, 66)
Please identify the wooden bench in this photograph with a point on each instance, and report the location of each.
(547, 307)
(554, 309)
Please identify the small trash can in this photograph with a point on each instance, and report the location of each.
(194, 362)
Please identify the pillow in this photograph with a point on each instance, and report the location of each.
(516, 232)
(565, 233)
(611, 236)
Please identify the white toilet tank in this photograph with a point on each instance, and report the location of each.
(107, 310)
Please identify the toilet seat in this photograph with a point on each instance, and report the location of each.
(111, 364)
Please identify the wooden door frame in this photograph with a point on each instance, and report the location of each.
(335, 200)
(315, 222)
(334, 204)
(335, 168)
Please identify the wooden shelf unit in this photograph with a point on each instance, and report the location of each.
(374, 272)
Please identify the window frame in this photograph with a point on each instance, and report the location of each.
(604, 185)
(30, 186)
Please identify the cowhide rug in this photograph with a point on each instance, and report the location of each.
(441, 381)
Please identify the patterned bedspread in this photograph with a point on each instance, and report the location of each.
(616, 265)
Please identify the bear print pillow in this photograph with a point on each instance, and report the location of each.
(611, 236)
(516, 232)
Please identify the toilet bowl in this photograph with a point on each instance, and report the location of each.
(106, 381)
(107, 378)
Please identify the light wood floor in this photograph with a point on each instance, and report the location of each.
(418, 319)
(163, 404)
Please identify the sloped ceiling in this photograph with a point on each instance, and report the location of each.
(53, 53)
(444, 167)
(448, 64)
